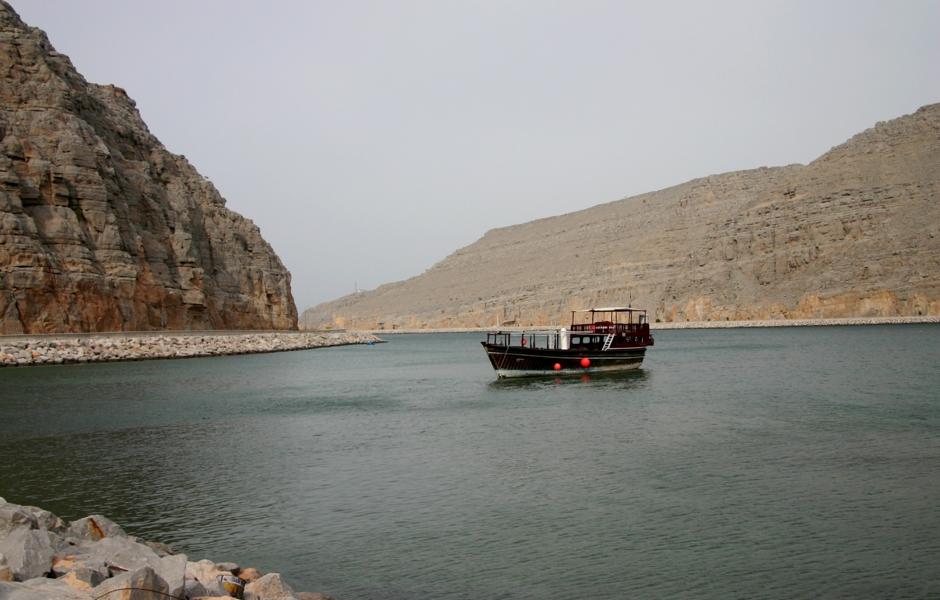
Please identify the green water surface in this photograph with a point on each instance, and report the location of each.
(770, 463)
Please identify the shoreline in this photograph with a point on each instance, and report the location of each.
(689, 325)
(78, 348)
(46, 558)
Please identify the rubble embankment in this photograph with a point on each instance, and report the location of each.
(797, 322)
(692, 324)
(44, 558)
(25, 350)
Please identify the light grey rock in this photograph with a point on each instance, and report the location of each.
(13, 516)
(88, 576)
(269, 587)
(45, 519)
(141, 584)
(194, 589)
(172, 569)
(313, 596)
(6, 573)
(205, 572)
(89, 570)
(28, 552)
(94, 528)
(249, 574)
(160, 548)
(41, 588)
(120, 554)
(227, 566)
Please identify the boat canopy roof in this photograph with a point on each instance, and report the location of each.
(611, 309)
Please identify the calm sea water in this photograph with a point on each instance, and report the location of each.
(772, 463)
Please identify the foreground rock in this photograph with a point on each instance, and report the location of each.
(43, 558)
(103, 229)
(855, 233)
(25, 351)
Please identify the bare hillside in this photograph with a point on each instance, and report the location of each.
(854, 233)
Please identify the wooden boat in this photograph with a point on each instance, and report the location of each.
(605, 339)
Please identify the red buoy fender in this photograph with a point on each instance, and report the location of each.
(585, 362)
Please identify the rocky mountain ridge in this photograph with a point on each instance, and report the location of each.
(855, 233)
(103, 229)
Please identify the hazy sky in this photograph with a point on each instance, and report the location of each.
(369, 140)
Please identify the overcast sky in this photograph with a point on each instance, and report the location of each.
(369, 140)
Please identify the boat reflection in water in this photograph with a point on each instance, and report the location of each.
(615, 380)
(609, 339)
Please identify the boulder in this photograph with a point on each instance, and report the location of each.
(119, 553)
(228, 566)
(269, 587)
(194, 589)
(91, 570)
(313, 596)
(94, 528)
(13, 516)
(81, 581)
(28, 552)
(160, 548)
(172, 569)
(42, 588)
(45, 519)
(6, 573)
(142, 584)
(205, 572)
(249, 574)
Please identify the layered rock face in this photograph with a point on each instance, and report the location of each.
(103, 229)
(856, 233)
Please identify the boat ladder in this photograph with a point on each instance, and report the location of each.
(608, 341)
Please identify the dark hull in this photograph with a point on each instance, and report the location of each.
(519, 361)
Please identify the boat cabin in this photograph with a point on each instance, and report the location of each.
(592, 329)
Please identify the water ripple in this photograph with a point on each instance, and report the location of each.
(771, 464)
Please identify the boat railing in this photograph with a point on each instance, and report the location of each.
(577, 338)
(624, 329)
(543, 340)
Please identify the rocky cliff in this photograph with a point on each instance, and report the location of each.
(854, 233)
(101, 228)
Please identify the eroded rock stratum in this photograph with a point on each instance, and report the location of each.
(103, 229)
(855, 233)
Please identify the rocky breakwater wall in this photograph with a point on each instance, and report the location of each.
(44, 558)
(45, 350)
(797, 323)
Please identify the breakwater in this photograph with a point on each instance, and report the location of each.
(25, 350)
(796, 322)
(44, 558)
(694, 324)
